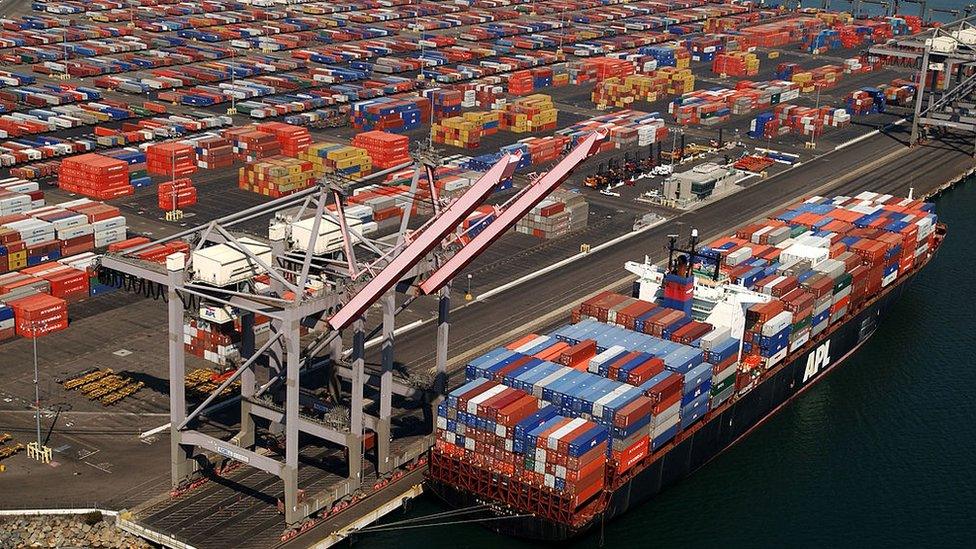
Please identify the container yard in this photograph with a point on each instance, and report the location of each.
(283, 265)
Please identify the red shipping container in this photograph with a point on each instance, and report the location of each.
(39, 315)
(632, 455)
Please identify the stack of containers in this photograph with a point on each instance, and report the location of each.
(819, 260)
(108, 224)
(705, 48)
(387, 204)
(680, 80)
(823, 77)
(466, 131)
(668, 56)
(332, 157)
(176, 194)
(809, 121)
(649, 363)
(395, 115)
(490, 96)
(609, 67)
(352, 162)
(861, 102)
(785, 71)
(506, 431)
(768, 330)
(156, 253)
(520, 83)
(72, 231)
(213, 152)
(617, 93)
(96, 176)
(214, 342)
(171, 158)
(276, 176)
(64, 282)
(721, 350)
(581, 73)
(250, 145)
(444, 103)
(38, 315)
(48, 233)
(8, 329)
(559, 214)
(821, 287)
(536, 150)
(136, 162)
(293, 140)
(529, 114)
(623, 128)
(782, 33)
(385, 150)
(736, 64)
(766, 126)
(899, 92)
(621, 410)
(476, 222)
(678, 292)
(541, 77)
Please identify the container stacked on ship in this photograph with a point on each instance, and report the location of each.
(555, 430)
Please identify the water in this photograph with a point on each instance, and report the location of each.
(879, 453)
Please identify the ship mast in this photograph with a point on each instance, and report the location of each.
(682, 264)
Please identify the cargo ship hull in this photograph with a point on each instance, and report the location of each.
(711, 436)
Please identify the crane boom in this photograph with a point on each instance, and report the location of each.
(424, 242)
(534, 194)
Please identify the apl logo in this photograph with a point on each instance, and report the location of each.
(817, 360)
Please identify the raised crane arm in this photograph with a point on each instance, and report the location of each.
(535, 193)
(423, 243)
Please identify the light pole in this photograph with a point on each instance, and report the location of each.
(233, 82)
(467, 295)
(37, 392)
(813, 136)
(36, 450)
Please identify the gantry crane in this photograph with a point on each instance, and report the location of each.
(331, 294)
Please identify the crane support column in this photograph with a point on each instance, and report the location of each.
(182, 461)
(443, 332)
(354, 439)
(383, 463)
(289, 473)
(920, 92)
(246, 435)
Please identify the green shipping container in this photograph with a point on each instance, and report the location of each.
(723, 385)
(842, 282)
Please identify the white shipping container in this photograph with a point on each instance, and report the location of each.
(717, 335)
(74, 232)
(738, 256)
(777, 324)
(800, 252)
(661, 428)
(110, 223)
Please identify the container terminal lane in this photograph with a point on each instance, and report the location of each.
(103, 462)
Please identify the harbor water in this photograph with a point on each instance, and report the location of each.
(879, 453)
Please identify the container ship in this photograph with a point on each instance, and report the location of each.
(555, 433)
